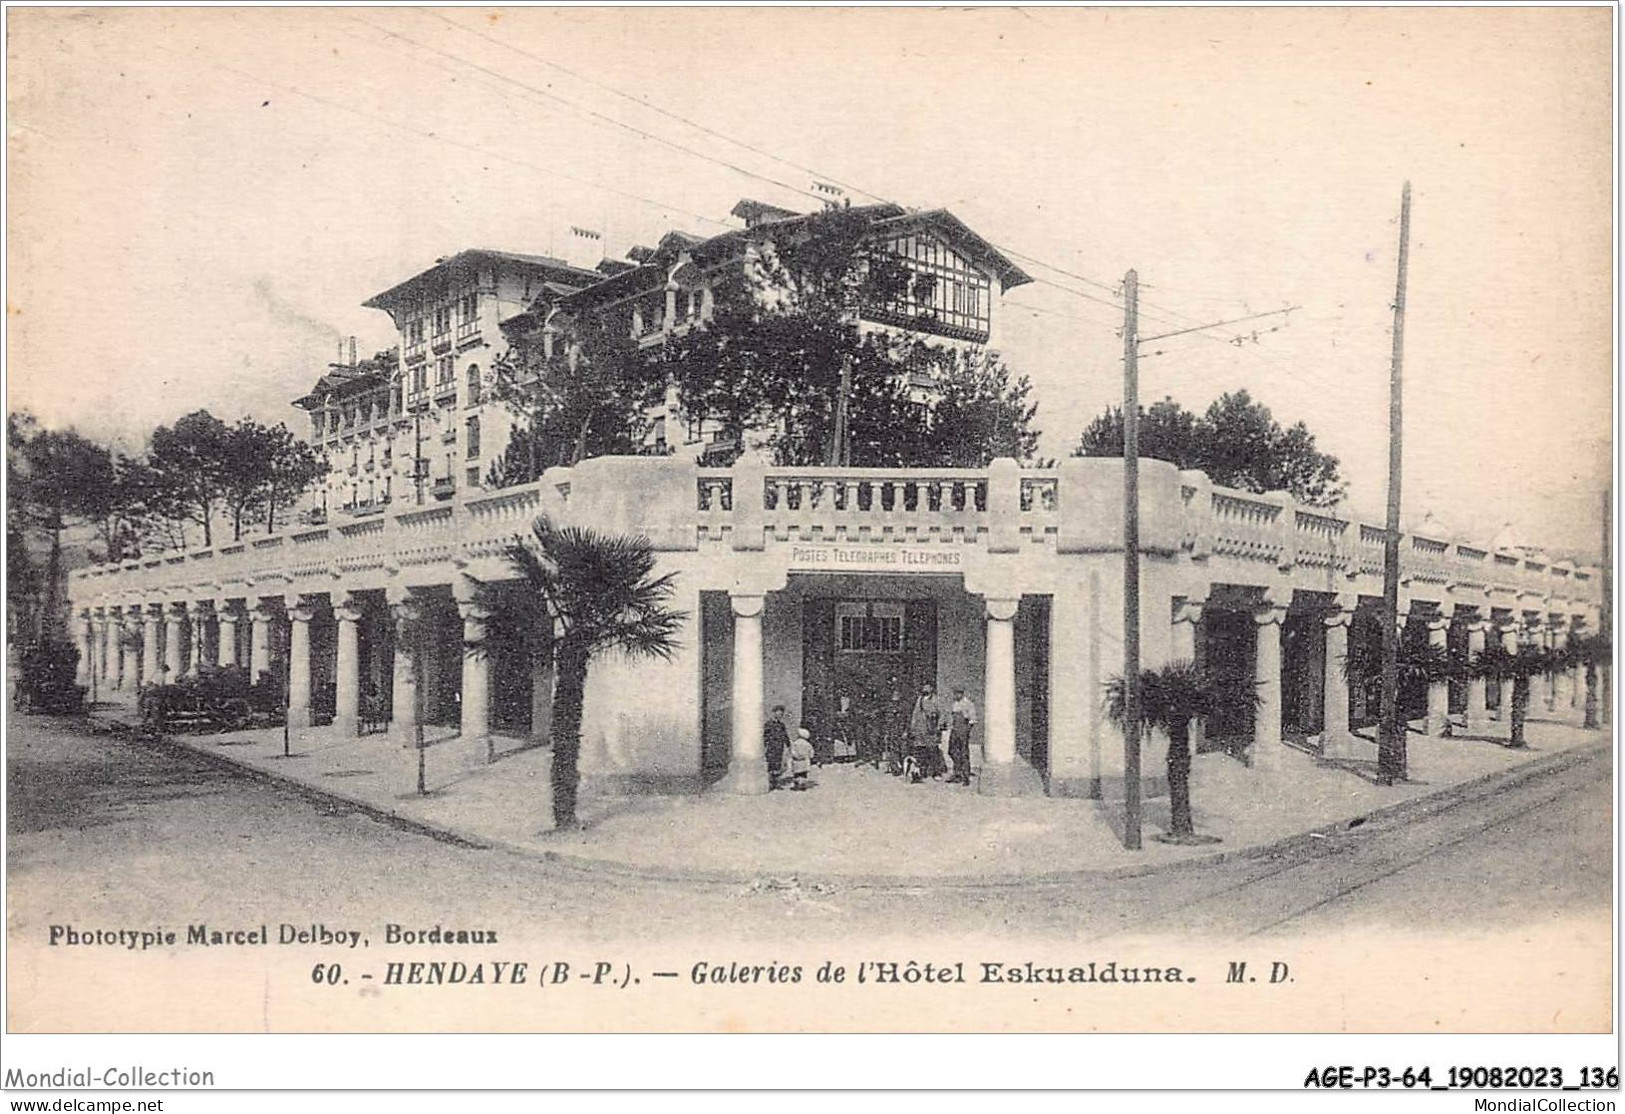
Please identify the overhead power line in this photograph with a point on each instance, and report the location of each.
(816, 173)
(479, 149)
(591, 113)
(653, 107)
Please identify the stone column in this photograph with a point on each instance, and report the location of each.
(115, 647)
(403, 722)
(259, 647)
(152, 661)
(1438, 718)
(226, 615)
(1478, 708)
(130, 651)
(87, 646)
(1003, 774)
(1187, 646)
(476, 709)
(197, 619)
(174, 643)
(104, 649)
(300, 614)
(1267, 678)
(1187, 615)
(347, 683)
(747, 768)
(1334, 703)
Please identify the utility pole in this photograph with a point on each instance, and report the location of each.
(1391, 741)
(1131, 562)
(1133, 817)
(838, 453)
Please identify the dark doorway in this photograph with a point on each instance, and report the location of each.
(863, 650)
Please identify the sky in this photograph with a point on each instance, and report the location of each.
(201, 199)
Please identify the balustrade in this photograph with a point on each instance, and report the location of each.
(949, 503)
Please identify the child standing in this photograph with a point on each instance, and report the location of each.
(801, 755)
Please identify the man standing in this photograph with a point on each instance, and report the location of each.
(923, 723)
(964, 719)
(775, 741)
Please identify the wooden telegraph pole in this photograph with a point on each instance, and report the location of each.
(1391, 741)
(1131, 562)
(839, 453)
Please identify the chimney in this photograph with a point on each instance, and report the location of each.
(832, 195)
(585, 247)
(352, 351)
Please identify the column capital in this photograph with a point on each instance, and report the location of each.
(228, 608)
(347, 608)
(195, 608)
(465, 590)
(1269, 614)
(1335, 616)
(1002, 608)
(472, 612)
(407, 610)
(301, 611)
(747, 604)
(1438, 623)
(1188, 609)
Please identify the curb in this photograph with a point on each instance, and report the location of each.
(587, 864)
(438, 832)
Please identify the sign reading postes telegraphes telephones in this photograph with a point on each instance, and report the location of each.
(876, 558)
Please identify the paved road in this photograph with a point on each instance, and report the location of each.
(112, 832)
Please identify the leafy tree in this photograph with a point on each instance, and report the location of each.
(192, 466)
(1237, 442)
(291, 467)
(769, 362)
(1167, 432)
(588, 399)
(129, 518)
(57, 479)
(585, 593)
(981, 411)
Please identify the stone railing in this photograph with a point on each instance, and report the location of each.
(1272, 530)
(476, 525)
(1245, 538)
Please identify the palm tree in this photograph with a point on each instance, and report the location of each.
(1496, 663)
(586, 592)
(1419, 663)
(1588, 651)
(1171, 696)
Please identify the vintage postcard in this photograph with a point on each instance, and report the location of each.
(629, 520)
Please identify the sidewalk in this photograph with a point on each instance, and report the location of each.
(857, 826)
